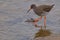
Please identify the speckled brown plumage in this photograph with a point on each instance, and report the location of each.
(39, 10)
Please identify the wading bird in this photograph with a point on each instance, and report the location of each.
(41, 11)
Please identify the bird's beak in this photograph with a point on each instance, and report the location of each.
(28, 10)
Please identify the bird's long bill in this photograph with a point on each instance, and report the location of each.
(28, 10)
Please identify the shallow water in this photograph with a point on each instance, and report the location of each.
(13, 15)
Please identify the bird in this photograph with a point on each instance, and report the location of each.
(41, 11)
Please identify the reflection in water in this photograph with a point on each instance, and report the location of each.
(42, 33)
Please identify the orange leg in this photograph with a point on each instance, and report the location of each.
(45, 22)
(36, 20)
(40, 17)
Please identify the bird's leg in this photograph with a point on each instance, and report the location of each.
(45, 22)
(40, 19)
(36, 20)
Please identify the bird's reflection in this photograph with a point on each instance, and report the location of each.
(42, 33)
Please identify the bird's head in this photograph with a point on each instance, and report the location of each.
(31, 7)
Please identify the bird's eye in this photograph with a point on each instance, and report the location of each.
(32, 6)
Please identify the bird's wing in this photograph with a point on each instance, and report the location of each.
(46, 8)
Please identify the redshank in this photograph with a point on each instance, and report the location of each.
(41, 11)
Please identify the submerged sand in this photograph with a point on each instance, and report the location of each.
(46, 35)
